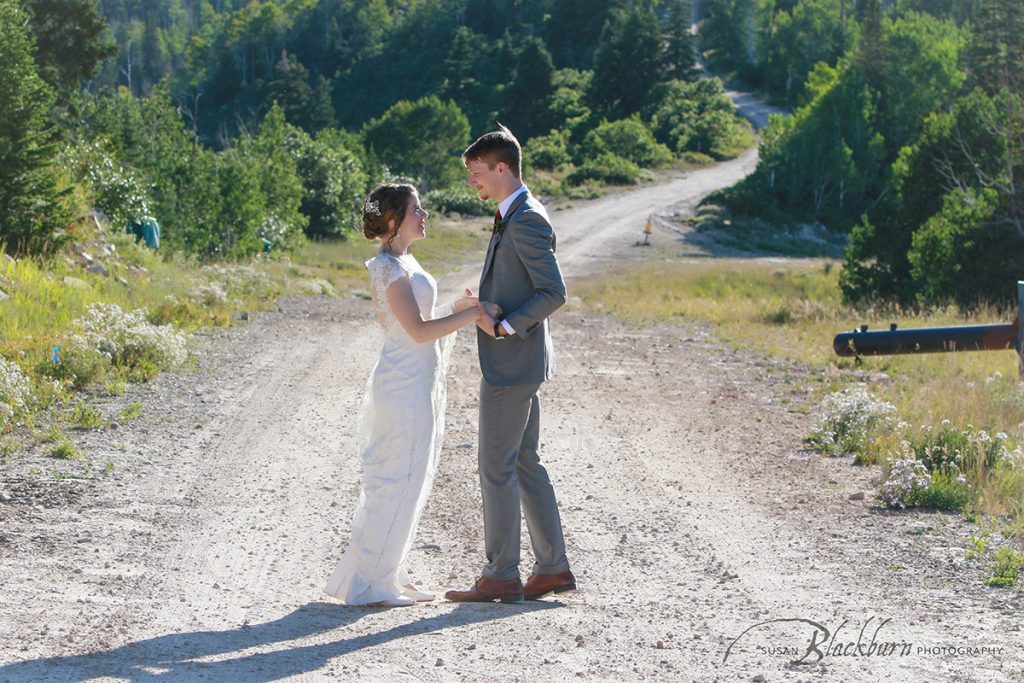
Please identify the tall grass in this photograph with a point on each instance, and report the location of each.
(449, 241)
(46, 301)
(793, 309)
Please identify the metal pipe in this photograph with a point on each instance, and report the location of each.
(937, 339)
(927, 340)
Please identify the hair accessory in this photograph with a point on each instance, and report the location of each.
(371, 207)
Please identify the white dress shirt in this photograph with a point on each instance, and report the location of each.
(503, 207)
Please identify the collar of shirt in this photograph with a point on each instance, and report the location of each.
(507, 201)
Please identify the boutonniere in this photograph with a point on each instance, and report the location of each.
(499, 226)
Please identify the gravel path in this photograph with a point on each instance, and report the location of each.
(692, 510)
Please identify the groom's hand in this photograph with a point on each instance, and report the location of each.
(493, 310)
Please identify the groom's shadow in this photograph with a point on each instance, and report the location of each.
(172, 656)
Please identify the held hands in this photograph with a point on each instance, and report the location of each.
(488, 312)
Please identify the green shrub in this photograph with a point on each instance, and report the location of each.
(77, 367)
(65, 450)
(1007, 568)
(85, 416)
(629, 139)
(909, 484)
(107, 337)
(457, 200)
(333, 183)
(116, 189)
(131, 411)
(607, 168)
(548, 152)
(966, 448)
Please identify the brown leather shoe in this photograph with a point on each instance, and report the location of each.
(539, 585)
(489, 590)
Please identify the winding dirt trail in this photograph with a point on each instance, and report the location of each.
(692, 513)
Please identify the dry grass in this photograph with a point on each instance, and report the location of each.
(341, 262)
(793, 310)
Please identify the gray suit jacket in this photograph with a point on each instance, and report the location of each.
(521, 275)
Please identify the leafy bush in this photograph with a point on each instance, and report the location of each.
(316, 287)
(907, 481)
(116, 189)
(944, 468)
(629, 139)
(241, 280)
(692, 117)
(333, 183)
(548, 152)
(456, 200)
(607, 168)
(419, 139)
(849, 420)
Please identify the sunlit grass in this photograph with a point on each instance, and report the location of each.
(448, 243)
(793, 309)
(42, 298)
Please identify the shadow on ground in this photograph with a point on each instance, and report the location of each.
(174, 656)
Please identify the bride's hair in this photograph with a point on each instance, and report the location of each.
(384, 204)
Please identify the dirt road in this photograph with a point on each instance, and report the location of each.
(692, 512)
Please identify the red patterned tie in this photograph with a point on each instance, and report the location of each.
(497, 221)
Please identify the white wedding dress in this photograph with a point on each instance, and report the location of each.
(402, 426)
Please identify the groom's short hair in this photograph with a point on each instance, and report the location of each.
(498, 145)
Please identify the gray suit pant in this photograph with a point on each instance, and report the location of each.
(510, 472)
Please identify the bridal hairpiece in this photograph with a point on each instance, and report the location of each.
(371, 207)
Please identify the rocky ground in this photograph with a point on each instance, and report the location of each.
(709, 543)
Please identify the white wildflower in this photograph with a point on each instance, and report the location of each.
(906, 479)
(123, 337)
(849, 418)
(317, 286)
(15, 390)
(209, 294)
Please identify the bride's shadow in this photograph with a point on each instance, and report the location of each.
(172, 656)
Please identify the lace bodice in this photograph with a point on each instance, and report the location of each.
(385, 269)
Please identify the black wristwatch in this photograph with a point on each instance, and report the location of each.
(499, 332)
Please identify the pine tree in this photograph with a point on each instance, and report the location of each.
(680, 47)
(69, 40)
(321, 110)
(628, 62)
(290, 89)
(527, 109)
(31, 211)
(873, 54)
(997, 45)
(154, 65)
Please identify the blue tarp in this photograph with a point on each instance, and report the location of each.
(148, 230)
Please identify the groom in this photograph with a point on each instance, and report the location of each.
(521, 275)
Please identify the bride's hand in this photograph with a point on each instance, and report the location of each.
(462, 303)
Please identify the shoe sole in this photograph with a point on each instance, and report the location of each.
(568, 588)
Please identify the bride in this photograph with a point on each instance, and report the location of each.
(402, 416)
